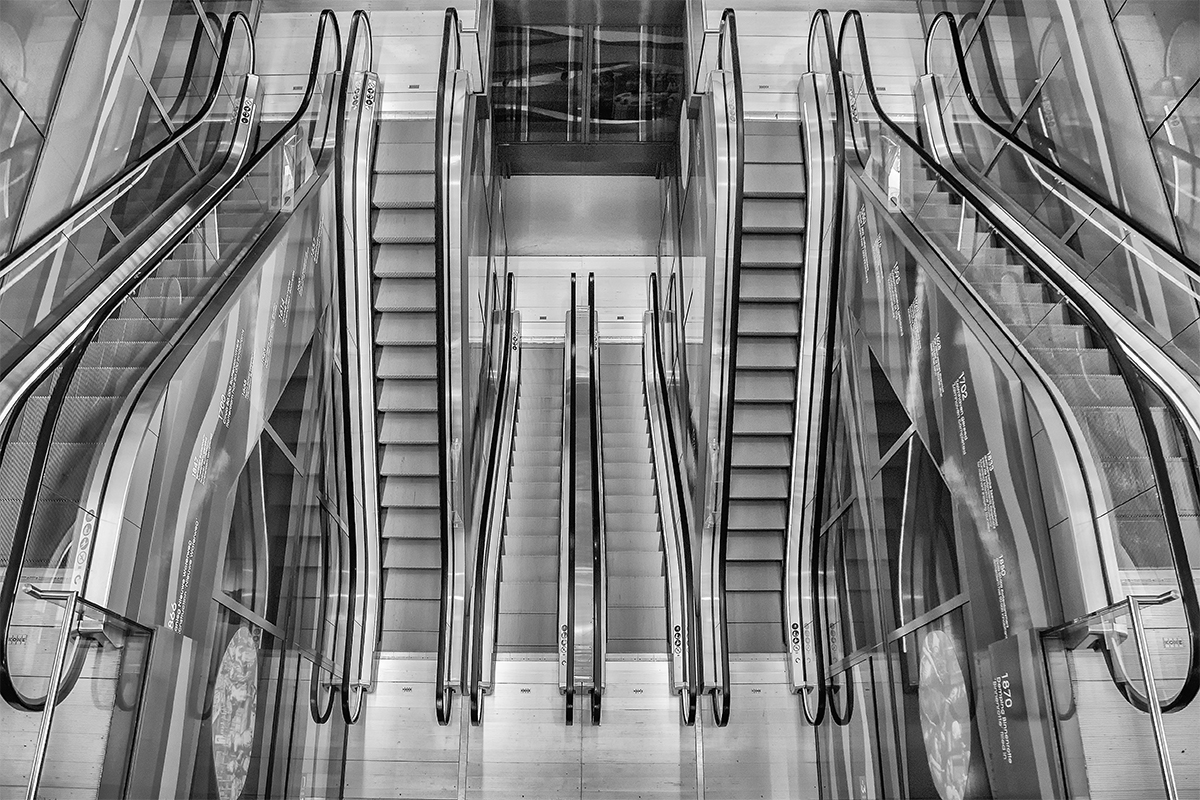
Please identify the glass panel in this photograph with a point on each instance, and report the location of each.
(938, 722)
(20, 143)
(849, 750)
(36, 37)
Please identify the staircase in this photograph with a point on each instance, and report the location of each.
(529, 560)
(637, 617)
(406, 380)
(764, 397)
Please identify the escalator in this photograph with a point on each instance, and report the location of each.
(94, 390)
(979, 361)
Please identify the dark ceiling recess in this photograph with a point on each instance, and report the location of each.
(573, 95)
(621, 13)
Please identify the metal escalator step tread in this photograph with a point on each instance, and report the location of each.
(772, 250)
(401, 614)
(413, 554)
(402, 190)
(417, 522)
(774, 148)
(405, 294)
(413, 459)
(531, 543)
(528, 569)
(404, 427)
(1052, 336)
(406, 395)
(404, 157)
(1031, 313)
(764, 385)
(752, 483)
(773, 180)
(410, 492)
(398, 328)
(757, 514)
(770, 284)
(129, 330)
(773, 215)
(405, 361)
(755, 575)
(755, 637)
(533, 528)
(641, 622)
(412, 584)
(406, 130)
(526, 631)
(393, 641)
(1010, 291)
(761, 418)
(743, 549)
(769, 319)
(762, 451)
(1089, 391)
(634, 564)
(535, 489)
(401, 260)
(767, 353)
(389, 226)
(630, 504)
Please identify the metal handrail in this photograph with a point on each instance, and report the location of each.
(720, 688)
(821, 304)
(599, 516)
(363, 550)
(1128, 372)
(567, 512)
(493, 493)
(674, 505)
(70, 355)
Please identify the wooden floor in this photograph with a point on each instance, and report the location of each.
(524, 750)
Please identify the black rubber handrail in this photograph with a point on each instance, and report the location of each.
(1134, 383)
(443, 694)
(1105, 204)
(475, 631)
(572, 487)
(683, 500)
(599, 524)
(70, 359)
(822, 28)
(359, 20)
(721, 699)
(87, 205)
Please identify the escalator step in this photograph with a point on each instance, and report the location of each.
(762, 418)
(407, 130)
(773, 149)
(767, 353)
(405, 294)
(1008, 292)
(765, 451)
(766, 549)
(408, 427)
(785, 215)
(414, 492)
(757, 514)
(416, 460)
(1053, 336)
(755, 576)
(764, 385)
(773, 180)
(396, 226)
(419, 616)
(770, 284)
(638, 623)
(394, 641)
(759, 482)
(526, 542)
(413, 553)
(765, 636)
(1070, 361)
(772, 250)
(403, 261)
(776, 319)
(407, 395)
(403, 190)
(402, 157)
(1032, 313)
(406, 361)
(405, 329)
(422, 522)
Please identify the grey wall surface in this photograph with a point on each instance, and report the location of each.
(578, 215)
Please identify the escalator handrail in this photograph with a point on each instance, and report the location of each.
(71, 357)
(101, 197)
(599, 521)
(494, 474)
(443, 691)
(1129, 374)
(822, 27)
(1105, 204)
(677, 489)
(351, 672)
(721, 694)
(569, 489)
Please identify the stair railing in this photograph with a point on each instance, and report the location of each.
(599, 518)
